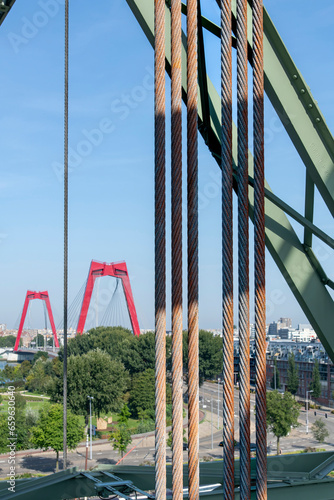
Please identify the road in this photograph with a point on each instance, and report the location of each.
(143, 452)
(298, 438)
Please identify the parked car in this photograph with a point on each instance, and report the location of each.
(236, 445)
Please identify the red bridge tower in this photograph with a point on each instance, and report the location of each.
(117, 270)
(31, 296)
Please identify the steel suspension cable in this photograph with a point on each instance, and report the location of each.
(227, 248)
(259, 250)
(160, 251)
(176, 152)
(243, 251)
(192, 230)
(65, 234)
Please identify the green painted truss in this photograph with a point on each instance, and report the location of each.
(303, 121)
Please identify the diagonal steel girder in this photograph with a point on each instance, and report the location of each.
(303, 274)
(5, 6)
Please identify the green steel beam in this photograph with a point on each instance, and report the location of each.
(289, 476)
(5, 6)
(299, 467)
(304, 221)
(299, 112)
(286, 249)
(307, 221)
(309, 208)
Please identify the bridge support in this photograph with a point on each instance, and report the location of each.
(31, 296)
(116, 270)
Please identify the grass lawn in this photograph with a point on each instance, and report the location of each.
(34, 405)
(133, 424)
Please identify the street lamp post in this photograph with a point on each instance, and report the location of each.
(218, 401)
(211, 424)
(307, 392)
(90, 427)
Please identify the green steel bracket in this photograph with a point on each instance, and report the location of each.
(282, 242)
(5, 6)
(318, 267)
(117, 487)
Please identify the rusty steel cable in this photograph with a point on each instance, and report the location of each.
(227, 249)
(243, 250)
(176, 158)
(160, 251)
(259, 250)
(192, 236)
(65, 235)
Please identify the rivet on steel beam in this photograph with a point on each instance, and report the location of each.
(310, 106)
(295, 77)
(302, 91)
(318, 120)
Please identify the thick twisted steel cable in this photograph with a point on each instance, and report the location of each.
(259, 249)
(192, 232)
(65, 235)
(243, 251)
(160, 252)
(176, 132)
(227, 248)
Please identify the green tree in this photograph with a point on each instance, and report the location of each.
(48, 433)
(142, 395)
(124, 414)
(293, 375)
(37, 380)
(23, 422)
(113, 340)
(170, 438)
(8, 373)
(275, 384)
(319, 430)
(8, 341)
(315, 385)
(92, 374)
(20, 402)
(210, 354)
(25, 368)
(282, 414)
(121, 437)
(40, 355)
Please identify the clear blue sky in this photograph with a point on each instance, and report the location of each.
(111, 182)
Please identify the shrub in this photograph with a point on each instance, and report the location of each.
(145, 426)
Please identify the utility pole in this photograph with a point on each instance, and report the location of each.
(218, 402)
(86, 452)
(275, 375)
(307, 392)
(211, 424)
(90, 419)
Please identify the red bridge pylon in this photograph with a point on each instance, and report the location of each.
(116, 270)
(31, 296)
